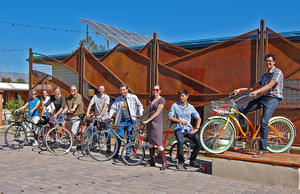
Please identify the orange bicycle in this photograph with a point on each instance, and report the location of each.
(219, 132)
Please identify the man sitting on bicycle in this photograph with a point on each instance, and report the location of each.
(181, 113)
(74, 104)
(271, 87)
(101, 102)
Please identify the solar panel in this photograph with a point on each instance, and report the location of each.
(116, 35)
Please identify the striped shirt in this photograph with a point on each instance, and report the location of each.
(276, 75)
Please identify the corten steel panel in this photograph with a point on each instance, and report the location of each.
(129, 66)
(288, 60)
(225, 66)
(53, 81)
(167, 52)
(97, 73)
(287, 53)
(72, 61)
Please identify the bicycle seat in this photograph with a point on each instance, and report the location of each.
(81, 116)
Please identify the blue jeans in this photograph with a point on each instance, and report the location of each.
(180, 138)
(121, 132)
(269, 105)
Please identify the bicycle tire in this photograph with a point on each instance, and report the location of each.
(59, 140)
(87, 135)
(41, 137)
(15, 136)
(100, 145)
(133, 153)
(186, 152)
(211, 141)
(277, 144)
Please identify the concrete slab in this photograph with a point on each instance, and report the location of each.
(286, 176)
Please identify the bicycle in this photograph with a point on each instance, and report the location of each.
(16, 134)
(102, 142)
(94, 125)
(49, 121)
(59, 139)
(135, 151)
(219, 132)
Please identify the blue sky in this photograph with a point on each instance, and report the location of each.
(173, 20)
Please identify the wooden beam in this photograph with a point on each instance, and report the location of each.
(30, 68)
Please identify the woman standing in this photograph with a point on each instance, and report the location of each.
(45, 99)
(155, 126)
(58, 101)
(33, 106)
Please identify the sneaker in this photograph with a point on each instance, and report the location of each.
(195, 164)
(73, 148)
(27, 143)
(35, 144)
(179, 166)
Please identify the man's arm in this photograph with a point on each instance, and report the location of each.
(197, 127)
(89, 109)
(265, 88)
(173, 119)
(139, 106)
(102, 111)
(257, 85)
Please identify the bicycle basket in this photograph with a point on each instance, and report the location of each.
(242, 99)
(222, 107)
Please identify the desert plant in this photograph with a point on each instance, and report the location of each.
(13, 105)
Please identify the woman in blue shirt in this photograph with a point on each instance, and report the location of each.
(33, 106)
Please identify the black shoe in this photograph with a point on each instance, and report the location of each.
(115, 158)
(195, 164)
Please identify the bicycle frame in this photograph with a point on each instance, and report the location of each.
(255, 132)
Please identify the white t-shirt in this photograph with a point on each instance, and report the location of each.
(49, 108)
(99, 104)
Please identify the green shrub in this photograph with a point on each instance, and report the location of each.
(13, 105)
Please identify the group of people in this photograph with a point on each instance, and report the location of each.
(127, 108)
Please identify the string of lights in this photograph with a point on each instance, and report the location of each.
(44, 28)
(13, 50)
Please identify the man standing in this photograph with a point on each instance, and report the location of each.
(75, 105)
(181, 113)
(271, 87)
(101, 102)
(126, 107)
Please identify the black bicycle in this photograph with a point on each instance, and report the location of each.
(16, 134)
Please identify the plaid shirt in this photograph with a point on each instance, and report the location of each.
(276, 75)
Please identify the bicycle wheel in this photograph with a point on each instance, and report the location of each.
(215, 138)
(102, 145)
(15, 136)
(133, 153)
(87, 135)
(280, 142)
(59, 140)
(41, 137)
(186, 151)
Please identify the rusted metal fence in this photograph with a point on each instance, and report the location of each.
(208, 73)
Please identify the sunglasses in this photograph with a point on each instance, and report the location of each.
(157, 90)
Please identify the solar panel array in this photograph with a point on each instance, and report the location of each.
(116, 35)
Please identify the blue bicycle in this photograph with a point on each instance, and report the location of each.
(103, 144)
